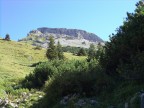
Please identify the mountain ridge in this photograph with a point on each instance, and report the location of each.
(70, 32)
(67, 37)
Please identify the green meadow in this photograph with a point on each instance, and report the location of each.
(16, 59)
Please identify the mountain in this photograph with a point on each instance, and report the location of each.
(67, 37)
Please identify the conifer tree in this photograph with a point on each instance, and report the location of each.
(7, 37)
(51, 50)
(59, 51)
(124, 54)
(91, 52)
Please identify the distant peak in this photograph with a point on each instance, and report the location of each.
(67, 37)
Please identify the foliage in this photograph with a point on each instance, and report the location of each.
(76, 77)
(134, 69)
(95, 52)
(99, 52)
(7, 37)
(54, 52)
(68, 77)
(126, 47)
(40, 74)
(73, 50)
(51, 50)
(81, 52)
(59, 51)
(14, 66)
(91, 52)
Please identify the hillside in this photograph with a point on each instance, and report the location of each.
(16, 58)
(67, 37)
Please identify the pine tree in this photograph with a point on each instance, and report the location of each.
(124, 54)
(91, 52)
(59, 51)
(99, 51)
(51, 50)
(7, 37)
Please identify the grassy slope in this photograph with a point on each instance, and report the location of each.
(16, 58)
(70, 56)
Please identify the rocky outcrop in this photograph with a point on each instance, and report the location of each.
(77, 102)
(20, 101)
(72, 33)
(67, 37)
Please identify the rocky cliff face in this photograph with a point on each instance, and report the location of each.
(67, 37)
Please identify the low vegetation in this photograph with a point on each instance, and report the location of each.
(62, 78)
(16, 61)
(73, 50)
(16, 58)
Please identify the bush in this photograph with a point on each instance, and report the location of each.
(67, 78)
(81, 52)
(126, 43)
(133, 70)
(41, 73)
(81, 79)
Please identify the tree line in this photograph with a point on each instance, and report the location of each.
(56, 51)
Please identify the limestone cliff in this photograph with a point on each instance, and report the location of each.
(67, 37)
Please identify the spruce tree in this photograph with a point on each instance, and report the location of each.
(7, 37)
(91, 52)
(124, 54)
(51, 53)
(59, 51)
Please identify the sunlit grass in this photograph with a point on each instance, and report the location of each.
(70, 56)
(16, 58)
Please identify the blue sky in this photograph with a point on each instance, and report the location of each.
(102, 17)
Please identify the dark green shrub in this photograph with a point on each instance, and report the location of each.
(134, 70)
(78, 77)
(126, 43)
(41, 73)
(91, 52)
(68, 78)
(81, 52)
